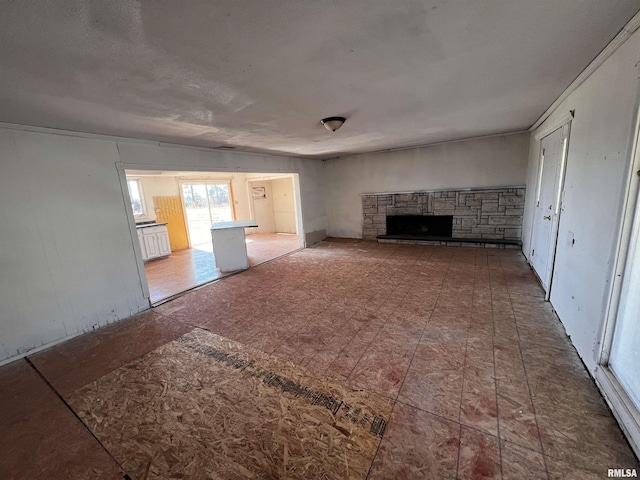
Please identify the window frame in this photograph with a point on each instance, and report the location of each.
(143, 205)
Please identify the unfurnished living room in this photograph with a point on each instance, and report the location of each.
(320, 240)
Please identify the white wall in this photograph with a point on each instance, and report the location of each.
(156, 187)
(485, 162)
(263, 208)
(597, 167)
(67, 260)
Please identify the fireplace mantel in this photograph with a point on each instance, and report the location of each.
(462, 190)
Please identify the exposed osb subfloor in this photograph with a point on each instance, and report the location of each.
(485, 384)
(185, 269)
(204, 406)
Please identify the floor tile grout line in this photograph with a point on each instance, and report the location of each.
(297, 304)
(373, 268)
(526, 374)
(73, 412)
(395, 400)
(469, 427)
(495, 373)
(354, 313)
(418, 344)
(464, 365)
(377, 332)
(206, 283)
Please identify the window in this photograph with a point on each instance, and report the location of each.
(135, 194)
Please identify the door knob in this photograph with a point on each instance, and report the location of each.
(547, 218)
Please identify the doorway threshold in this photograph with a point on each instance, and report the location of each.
(161, 301)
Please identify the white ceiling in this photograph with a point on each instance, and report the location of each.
(259, 75)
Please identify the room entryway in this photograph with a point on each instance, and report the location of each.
(178, 209)
(205, 203)
(273, 204)
(191, 267)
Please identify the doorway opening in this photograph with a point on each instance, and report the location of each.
(176, 210)
(206, 203)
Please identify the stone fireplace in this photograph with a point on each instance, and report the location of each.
(484, 217)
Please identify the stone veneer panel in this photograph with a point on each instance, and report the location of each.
(491, 214)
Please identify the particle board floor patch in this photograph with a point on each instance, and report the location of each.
(204, 406)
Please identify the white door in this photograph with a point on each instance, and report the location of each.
(283, 205)
(547, 208)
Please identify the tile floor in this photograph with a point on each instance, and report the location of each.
(485, 383)
(186, 269)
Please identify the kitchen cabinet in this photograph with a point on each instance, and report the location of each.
(154, 241)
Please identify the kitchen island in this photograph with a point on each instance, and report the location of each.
(229, 246)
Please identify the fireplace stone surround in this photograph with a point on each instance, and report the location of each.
(487, 217)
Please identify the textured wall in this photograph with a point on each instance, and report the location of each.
(598, 168)
(490, 162)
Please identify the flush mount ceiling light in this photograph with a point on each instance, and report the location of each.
(333, 123)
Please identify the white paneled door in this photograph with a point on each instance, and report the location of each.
(547, 207)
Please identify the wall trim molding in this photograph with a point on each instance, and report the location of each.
(622, 36)
(552, 127)
(425, 145)
(42, 347)
(115, 138)
(618, 401)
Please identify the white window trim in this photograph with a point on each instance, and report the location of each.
(138, 180)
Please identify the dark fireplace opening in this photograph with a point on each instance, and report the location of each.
(420, 226)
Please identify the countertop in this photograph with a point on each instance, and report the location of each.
(234, 224)
(145, 225)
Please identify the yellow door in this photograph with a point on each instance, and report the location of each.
(169, 209)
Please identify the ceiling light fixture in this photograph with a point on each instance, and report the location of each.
(333, 123)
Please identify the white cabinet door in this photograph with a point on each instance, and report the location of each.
(154, 242)
(164, 248)
(143, 250)
(151, 245)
